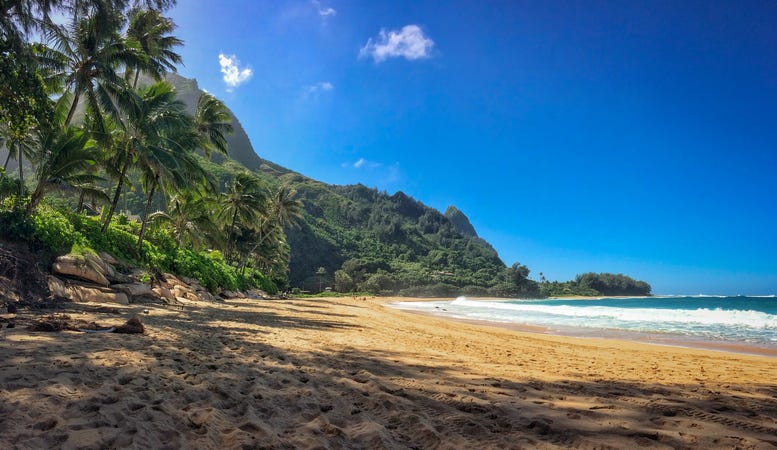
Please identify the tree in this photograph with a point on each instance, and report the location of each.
(63, 157)
(214, 123)
(242, 203)
(84, 57)
(153, 124)
(151, 31)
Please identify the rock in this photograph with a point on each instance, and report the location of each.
(134, 289)
(93, 294)
(80, 267)
(208, 297)
(163, 292)
(96, 261)
(229, 294)
(181, 290)
(191, 296)
(57, 287)
(108, 258)
(132, 326)
(190, 281)
(118, 278)
(169, 280)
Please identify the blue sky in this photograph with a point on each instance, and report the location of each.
(619, 136)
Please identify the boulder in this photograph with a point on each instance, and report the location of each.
(170, 280)
(230, 294)
(76, 266)
(96, 261)
(94, 294)
(190, 281)
(57, 287)
(163, 292)
(134, 289)
(208, 297)
(181, 290)
(108, 258)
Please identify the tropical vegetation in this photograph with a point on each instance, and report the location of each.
(87, 109)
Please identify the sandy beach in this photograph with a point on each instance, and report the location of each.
(352, 373)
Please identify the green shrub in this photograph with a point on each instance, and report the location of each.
(209, 268)
(14, 224)
(55, 231)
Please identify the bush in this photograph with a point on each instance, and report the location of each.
(55, 231)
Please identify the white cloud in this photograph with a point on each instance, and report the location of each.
(409, 43)
(234, 75)
(324, 11)
(319, 87)
(362, 163)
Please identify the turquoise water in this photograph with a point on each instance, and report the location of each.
(738, 320)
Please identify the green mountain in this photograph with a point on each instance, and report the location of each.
(355, 237)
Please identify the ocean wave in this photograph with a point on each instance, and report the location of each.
(701, 316)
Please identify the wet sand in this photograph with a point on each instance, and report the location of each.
(350, 373)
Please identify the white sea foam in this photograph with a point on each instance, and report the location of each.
(726, 323)
(701, 316)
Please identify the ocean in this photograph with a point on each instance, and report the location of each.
(674, 320)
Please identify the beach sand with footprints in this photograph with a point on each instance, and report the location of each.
(353, 373)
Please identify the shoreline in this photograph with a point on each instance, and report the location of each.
(345, 373)
(659, 339)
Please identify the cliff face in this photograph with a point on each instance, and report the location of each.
(460, 221)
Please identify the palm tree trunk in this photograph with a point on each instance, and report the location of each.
(135, 84)
(231, 235)
(116, 196)
(72, 108)
(21, 174)
(35, 199)
(7, 159)
(144, 223)
(81, 201)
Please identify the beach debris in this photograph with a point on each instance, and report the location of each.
(51, 323)
(107, 330)
(132, 326)
(62, 322)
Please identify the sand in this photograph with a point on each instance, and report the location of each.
(352, 373)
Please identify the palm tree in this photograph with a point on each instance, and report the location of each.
(286, 210)
(171, 163)
(63, 157)
(85, 56)
(189, 214)
(151, 116)
(152, 31)
(213, 122)
(243, 203)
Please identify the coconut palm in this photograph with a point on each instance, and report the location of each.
(286, 210)
(189, 214)
(63, 157)
(85, 56)
(151, 118)
(152, 31)
(172, 164)
(214, 123)
(242, 204)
